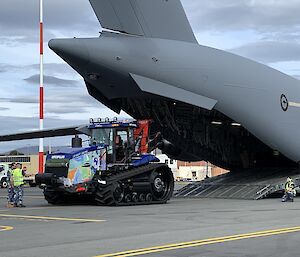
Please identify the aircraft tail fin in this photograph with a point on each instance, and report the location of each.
(164, 19)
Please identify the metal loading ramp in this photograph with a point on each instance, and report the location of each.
(251, 184)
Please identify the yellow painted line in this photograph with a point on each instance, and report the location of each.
(216, 240)
(5, 228)
(48, 218)
(28, 196)
(33, 208)
(29, 209)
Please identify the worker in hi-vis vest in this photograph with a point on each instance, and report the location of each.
(289, 191)
(10, 188)
(17, 178)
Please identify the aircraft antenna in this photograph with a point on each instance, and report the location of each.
(41, 143)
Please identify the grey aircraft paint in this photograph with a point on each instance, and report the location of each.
(246, 91)
(155, 19)
(151, 66)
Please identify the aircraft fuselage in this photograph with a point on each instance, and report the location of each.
(264, 101)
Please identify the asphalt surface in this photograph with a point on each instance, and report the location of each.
(217, 227)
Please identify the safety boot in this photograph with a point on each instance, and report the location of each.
(10, 205)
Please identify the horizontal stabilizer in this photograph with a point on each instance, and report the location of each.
(70, 131)
(169, 91)
(149, 18)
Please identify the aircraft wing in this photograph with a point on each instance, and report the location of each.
(70, 131)
(164, 19)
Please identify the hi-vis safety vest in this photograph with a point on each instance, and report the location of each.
(289, 187)
(17, 177)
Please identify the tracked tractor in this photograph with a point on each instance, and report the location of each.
(115, 169)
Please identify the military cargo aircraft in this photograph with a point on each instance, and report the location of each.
(208, 104)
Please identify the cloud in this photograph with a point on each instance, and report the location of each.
(51, 68)
(25, 100)
(59, 102)
(17, 37)
(52, 80)
(3, 67)
(79, 97)
(76, 17)
(70, 16)
(66, 108)
(262, 16)
(65, 92)
(270, 51)
(61, 68)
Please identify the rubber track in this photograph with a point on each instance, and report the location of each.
(135, 172)
(104, 195)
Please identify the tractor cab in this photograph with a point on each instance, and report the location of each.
(117, 137)
(126, 142)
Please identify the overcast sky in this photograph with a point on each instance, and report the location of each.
(267, 31)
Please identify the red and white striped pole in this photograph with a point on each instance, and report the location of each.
(41, 145)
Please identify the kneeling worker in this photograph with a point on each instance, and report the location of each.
(18, 182)
(289, 191)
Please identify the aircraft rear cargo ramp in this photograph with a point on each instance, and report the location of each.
(251, 185)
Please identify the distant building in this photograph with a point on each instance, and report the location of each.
(197, 171)
(191, 171)
(30, 161)
(170, 162)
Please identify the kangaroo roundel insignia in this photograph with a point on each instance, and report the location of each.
(284, 103)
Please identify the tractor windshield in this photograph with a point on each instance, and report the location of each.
(102, 136)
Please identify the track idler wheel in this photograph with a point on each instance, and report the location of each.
(162, 184)
(149, 198)
(142, 198)
(135, 197)
(128, 198)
